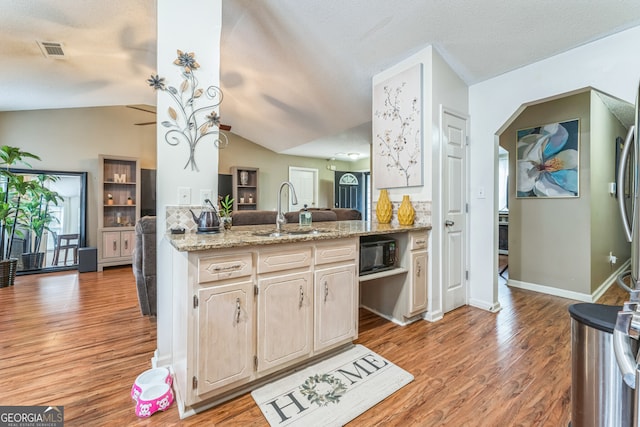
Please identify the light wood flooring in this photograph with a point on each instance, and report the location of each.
(79, 340)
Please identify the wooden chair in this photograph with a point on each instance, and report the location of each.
(66, 242)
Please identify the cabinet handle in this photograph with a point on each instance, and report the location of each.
(326, 291)
(126, 243)
(301, 297)
(226, 268)
(115, 246)
(237, 310)
(421, 242)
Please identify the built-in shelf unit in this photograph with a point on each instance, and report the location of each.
(245, 188)
(118, 209)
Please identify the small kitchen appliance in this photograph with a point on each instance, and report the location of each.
(208, 221)
(377, 254)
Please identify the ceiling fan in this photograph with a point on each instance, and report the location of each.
(152, 110)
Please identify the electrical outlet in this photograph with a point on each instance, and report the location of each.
(204, 195)
(184, 195)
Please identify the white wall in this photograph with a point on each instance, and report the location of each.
(610, 65)
(191, 26)
(449, 93)
(441, 88)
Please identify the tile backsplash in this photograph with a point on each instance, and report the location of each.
(422, 208)
(180, 217)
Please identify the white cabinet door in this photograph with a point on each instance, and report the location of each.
(224, 348)
(111, 244)
(418, 288)
(285, 331)
(127, 243)
(116, 244)
(336, 306)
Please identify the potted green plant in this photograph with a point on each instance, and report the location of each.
(226, 207)
(13, 187)
(36, 217)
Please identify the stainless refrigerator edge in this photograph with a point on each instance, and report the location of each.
(627, 328)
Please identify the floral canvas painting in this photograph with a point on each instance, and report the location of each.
(548, 160)
(397, 130)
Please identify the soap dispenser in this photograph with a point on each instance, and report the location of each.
(305, 216)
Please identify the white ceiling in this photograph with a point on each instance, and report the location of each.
(296, 74)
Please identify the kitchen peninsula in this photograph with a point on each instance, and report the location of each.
(249, 305)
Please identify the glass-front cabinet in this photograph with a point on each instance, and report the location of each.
(119, 209)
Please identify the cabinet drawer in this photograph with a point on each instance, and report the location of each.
(284, 258)
(224, 267)
(419, 241)
(336, 251)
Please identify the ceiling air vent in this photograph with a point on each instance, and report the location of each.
(52, 50)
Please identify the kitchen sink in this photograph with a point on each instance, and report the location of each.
(270, 233)
(290, 232)
(307, 231)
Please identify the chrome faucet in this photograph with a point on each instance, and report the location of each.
(280, 221)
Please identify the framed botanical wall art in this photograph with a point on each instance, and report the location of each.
(397, 130)
(548, 160)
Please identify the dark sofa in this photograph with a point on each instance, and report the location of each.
(258, 217)
(144, 264)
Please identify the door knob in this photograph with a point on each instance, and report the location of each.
(448, 223)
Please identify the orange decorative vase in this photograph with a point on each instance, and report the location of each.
(406, 212)
(384, 208)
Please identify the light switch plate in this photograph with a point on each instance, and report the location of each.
(184, 195)
(481, 193)
(204, 195)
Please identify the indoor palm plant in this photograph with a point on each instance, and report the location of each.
(12, 188)
(16, 191)
(36, 217)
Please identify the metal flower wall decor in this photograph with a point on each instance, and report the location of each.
(187, 123)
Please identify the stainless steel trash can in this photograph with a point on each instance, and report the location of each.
(599, 396)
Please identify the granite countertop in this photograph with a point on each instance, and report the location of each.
(240, 236)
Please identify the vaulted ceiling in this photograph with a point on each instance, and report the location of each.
(296, 73)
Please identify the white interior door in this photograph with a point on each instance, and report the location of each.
(454, 208)
(305, 182)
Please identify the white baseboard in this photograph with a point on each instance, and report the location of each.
(433, 316)
(154, 359)
(484, 305)
(610, 280)
(549, 290)
(157, 361)
(384, 316)
(579, 296)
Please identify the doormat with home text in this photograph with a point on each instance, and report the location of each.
(331, 392)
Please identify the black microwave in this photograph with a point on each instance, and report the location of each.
(377, 254)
